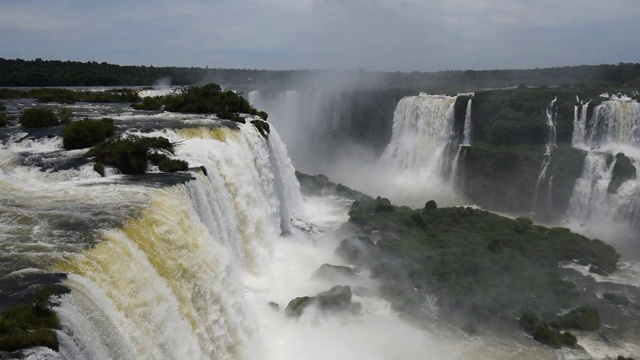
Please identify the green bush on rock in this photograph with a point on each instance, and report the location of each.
(132, 153)
(28, 326)
(581, 318)
(38, 118)
(87, 133)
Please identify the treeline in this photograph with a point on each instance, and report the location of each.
(18, 72)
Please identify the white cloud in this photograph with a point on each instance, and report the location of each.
(375, 34)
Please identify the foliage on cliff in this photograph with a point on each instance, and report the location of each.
(476, 263)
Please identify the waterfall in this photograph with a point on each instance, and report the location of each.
(422, 136)
(467, 124)
(455, 165)
(546, 158)
(591, 203)
(615, 121)
(579, 125)
(614, 126)
(156, 269)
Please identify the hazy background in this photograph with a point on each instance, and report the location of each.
(389, 35)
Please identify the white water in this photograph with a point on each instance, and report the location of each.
(467, 124)
(189, 275)
(614, 127)
(420, 152)
(546, 157)
(615, 121)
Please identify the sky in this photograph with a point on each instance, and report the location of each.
(387, 35)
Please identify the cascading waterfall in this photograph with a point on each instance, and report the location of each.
(591, 202)
(422, 137)
(579, 124)
(615, 121)
(167, 283)
(467, 124)
(613, 127)
(546, 159)
(456, 176)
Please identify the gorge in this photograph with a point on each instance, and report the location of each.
(202, 263)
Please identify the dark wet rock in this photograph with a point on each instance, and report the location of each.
(336, 299)
(332, 272)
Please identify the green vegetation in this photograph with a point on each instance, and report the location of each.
(148, 103)
(27, 326)
(4, 121)
(542, 333)
(262, 126)
(477, 263)
(581, 318)
(132, 153)
(38, 72)
(167, 165)
(38, 118)
(208, 99)
(623, 170)
(67, 96)
(3, 106)
(87, 133)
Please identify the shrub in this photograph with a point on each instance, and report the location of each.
(3, 120)
(3, 106)
(38, 117)
(127, 154)
(581, 318)
(87, 133)
(168, 165)
(131, 154)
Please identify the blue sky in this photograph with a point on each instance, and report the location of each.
(390, 35)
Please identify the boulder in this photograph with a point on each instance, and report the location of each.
(336, 299)
(332, 272)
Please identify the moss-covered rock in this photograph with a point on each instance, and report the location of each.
(333, 272)
(28, 326)
(262, 126)
(616, 298)
(336, 299)
(360, 250)
(582, 318)
(623, 170)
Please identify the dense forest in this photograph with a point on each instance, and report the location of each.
(18, 72)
